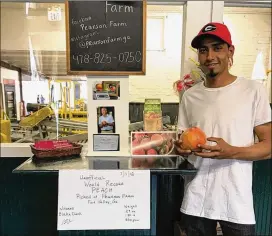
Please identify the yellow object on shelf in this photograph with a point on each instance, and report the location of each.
(5, 131)
(35, 118)
(5, 128)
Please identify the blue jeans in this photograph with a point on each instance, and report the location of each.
(198, 226)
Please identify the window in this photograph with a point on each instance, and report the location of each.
(155, 33)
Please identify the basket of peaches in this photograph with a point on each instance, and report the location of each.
(150, 146)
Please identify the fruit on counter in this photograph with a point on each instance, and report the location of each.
(192, 137)
(152, 143)
(139, 151)
(145, 143)
(169, 143)
(135, 143)
(139, 136)
(157, 139)
(151, 151)
(164, 149)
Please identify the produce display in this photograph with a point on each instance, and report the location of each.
(192, 137)
(152, 143)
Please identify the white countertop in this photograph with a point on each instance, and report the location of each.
(21, 150)
(16, 150)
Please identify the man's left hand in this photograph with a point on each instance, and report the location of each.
(222, 150)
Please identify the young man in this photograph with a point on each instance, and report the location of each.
(231, 110)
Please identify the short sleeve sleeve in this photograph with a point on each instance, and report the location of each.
(262, 107)
(183, 122)
(111, 120)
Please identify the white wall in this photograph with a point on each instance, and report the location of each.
(162, 68)
(251, 33)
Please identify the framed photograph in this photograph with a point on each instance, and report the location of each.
(106, 90)
(158, 143)
(112, 87)
(106, 119)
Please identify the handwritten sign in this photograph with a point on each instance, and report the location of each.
(106, 37)
(106, 142)
(99, 199)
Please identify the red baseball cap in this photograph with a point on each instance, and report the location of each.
(219, 30)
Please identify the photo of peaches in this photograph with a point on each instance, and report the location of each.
(152, 143)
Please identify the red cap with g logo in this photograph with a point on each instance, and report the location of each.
(219, 30)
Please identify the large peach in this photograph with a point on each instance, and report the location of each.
(192, 137)
(157, 139)
(145, 143)
(151, 152)
(135, 143)
(139, 136)
(138, 152)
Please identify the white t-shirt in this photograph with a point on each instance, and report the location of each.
(222, 189)
(109, 119)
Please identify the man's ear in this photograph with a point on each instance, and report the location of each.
(231, 51)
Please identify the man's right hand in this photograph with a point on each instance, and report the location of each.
(179, 150)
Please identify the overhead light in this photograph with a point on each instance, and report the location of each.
(27, 7)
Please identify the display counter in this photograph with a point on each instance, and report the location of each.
(167, 181)
(29, 196)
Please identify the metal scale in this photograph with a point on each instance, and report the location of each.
(101, 95)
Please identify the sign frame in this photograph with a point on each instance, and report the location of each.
(104, 73)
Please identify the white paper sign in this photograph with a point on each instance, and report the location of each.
(104, 199)
(106, 142)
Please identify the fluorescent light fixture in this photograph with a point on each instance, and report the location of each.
(27, 7)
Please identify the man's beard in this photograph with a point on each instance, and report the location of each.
(209, 73)
(212, 74)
